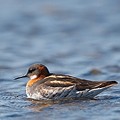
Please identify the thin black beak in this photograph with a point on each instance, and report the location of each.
(20, 77)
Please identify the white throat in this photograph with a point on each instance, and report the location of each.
(33, 77)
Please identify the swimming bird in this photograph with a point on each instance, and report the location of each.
(50, 86)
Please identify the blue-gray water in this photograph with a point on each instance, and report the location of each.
(75, 37)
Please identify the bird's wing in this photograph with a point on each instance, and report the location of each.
(66, 81)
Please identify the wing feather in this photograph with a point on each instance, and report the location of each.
(57, 80)
(66, 81)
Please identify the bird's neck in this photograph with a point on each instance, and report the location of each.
(32, 81)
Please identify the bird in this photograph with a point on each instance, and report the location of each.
(44, 85)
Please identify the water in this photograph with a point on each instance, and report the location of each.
(79, 38)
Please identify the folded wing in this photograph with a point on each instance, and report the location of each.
(81, 84)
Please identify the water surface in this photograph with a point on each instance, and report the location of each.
(79, 38)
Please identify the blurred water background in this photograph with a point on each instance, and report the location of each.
(75, 37)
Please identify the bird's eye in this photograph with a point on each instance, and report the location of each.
(31, 70)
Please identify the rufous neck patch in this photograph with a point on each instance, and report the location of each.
(32, 81)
